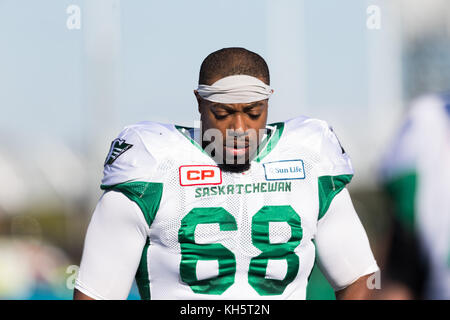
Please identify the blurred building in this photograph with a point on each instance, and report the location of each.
(425, 27)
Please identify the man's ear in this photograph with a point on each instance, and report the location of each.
(199, 100)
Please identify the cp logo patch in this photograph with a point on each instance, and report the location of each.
(196, 175)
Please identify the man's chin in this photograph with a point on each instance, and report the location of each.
(233, 163)
(235, 168)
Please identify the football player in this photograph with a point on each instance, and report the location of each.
(416, 175)
(231, 210)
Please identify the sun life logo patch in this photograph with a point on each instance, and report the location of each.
(284, 170)
(118, 147)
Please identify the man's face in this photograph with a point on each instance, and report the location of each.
(234, 129)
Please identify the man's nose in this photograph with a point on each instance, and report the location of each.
(238, 124)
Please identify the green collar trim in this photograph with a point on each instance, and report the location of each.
(264, 148)
(271, 141)
(185, 132)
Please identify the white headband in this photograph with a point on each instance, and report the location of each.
(235, 89)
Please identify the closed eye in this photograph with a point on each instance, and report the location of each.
(221, 112)
(254, 116)
(220, 116)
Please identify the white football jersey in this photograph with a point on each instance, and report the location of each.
(417, 166)
(228, 235)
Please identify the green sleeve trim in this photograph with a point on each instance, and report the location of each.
(402, 190)
(329, 187)
(147, 195)
(142, 278)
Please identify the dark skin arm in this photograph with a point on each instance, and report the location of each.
(78, 295)
(358, 290)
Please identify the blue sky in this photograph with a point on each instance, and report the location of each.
(40, 69)
(65, 94)
(43, 71)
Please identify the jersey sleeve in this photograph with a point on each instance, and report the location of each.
(129, 169)
(334, 160)
(113, 246)
(344, 253)
(120, 224)
(128, 160)
(335, 169)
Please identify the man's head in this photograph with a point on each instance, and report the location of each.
(240, 124)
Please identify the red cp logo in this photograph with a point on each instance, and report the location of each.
(200, 175)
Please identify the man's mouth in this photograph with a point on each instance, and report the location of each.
(237, 150)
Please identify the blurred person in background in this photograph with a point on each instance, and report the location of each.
(31, 267)
(416, 177)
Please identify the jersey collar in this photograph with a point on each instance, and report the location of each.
(268, 143)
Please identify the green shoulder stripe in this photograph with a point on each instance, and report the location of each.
(329, 187)
(147, 195)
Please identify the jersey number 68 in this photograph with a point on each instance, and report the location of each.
(193, 252)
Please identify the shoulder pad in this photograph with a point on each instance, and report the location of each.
(130, 157)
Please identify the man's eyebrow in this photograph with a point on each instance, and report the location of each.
(253, 105)
(223, 106)
(231, 109)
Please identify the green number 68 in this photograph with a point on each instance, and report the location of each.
(193, 252)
